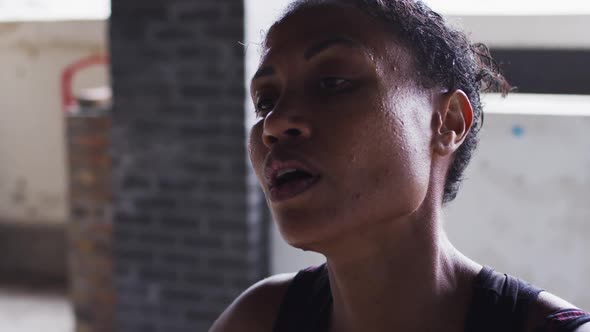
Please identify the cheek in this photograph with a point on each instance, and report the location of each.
(390, 157)
(414, 150)
(256, 148)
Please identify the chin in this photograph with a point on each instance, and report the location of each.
(313, 231)
(303, 230)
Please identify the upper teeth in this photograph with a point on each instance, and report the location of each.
(285, 171)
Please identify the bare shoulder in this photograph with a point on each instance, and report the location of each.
(546, 304)
(257, 308)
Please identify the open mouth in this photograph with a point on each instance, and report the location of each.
(290, 174)
(287, 183)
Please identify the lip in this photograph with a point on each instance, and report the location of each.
(277, 161)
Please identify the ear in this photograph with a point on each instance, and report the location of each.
(452, 122)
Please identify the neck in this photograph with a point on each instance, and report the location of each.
(401, 275)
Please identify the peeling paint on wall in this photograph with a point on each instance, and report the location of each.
(19, 193)
(8, 28)
(33, 49)
(517, 130)
(33, 178)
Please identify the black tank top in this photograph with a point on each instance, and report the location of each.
(500, 303)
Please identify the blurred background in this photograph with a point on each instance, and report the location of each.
(143, 214)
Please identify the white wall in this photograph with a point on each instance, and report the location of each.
(524, 209)
(527, 31)
(33, 182)
(510, 7)
(524, 206)
(54, 10)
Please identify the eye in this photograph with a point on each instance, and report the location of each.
(335, 84)
(264, 105)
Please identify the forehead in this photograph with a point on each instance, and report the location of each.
(308, 26)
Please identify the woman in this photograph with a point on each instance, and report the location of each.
(368, 112)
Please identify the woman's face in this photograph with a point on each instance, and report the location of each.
(343, 135)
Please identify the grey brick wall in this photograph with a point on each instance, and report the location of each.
(188, 219)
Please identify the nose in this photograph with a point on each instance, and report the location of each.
(281, 125)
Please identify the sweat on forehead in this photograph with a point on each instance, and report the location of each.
(304, 28)
(302, 13)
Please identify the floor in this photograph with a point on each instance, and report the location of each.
(24, 310)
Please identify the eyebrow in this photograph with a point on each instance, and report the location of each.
(330, 42)
(313, 51)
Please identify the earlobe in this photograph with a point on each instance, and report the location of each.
(445, 144)
(453, 121)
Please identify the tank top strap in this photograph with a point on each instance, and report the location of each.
(306, 304)
(564, 320)
(500, 302)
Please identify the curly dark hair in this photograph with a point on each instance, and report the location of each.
(445, 58)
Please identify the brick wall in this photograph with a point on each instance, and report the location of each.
(90, 226)
(188, 224)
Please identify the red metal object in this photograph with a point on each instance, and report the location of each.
(67, 75)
